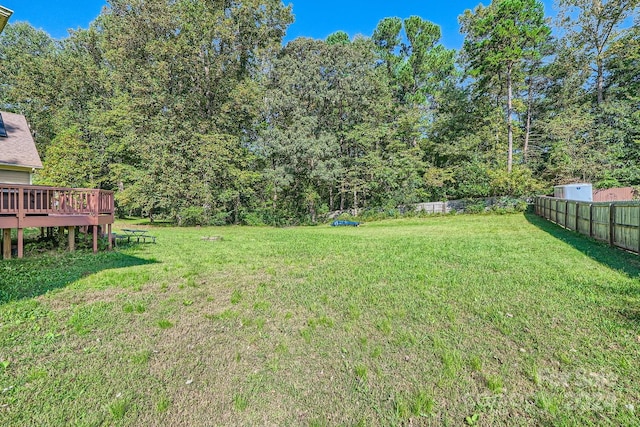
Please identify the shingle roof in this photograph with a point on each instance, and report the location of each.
(18, 148)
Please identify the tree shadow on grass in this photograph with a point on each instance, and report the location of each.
(34, 276)
(614, 258)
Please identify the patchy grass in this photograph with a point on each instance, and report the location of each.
(441, 321)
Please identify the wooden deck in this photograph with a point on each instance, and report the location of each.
(24, 206)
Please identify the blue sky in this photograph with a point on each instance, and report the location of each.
(314, 18)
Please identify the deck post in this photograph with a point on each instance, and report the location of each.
(95, 239)
(41, 231)
(72, 238)
(109, 236)
(6, 243)
(21, 201)
(20, 242)
(95, 202)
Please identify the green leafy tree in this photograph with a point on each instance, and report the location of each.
(499, 39)
(339, 37)
(592, 27)
(185, 82)
(28, 85)
(69, 162)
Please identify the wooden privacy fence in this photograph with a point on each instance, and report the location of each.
(617, 223)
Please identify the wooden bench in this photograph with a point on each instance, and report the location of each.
(144, 238)
(120, 238)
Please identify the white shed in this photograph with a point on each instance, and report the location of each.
(581, 192)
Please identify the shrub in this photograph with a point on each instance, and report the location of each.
(508, 204)
(345, 216)
(522, 206)
(475, 208)
(253, 219)
(220, 218)
(373, 214)
(191, 216)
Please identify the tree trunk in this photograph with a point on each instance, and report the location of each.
(527, 132)
(312, 212)
(509, 124)
(331, 197)
(274, 197)
(355, 202)
(600, 80)
(236, 210)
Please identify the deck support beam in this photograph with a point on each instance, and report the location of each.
(6, 243)
(20, 242)
(109, 236)
(72, 238)
(95, 239)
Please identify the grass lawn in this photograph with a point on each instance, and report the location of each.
(453, 320)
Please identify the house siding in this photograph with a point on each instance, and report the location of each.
(15, 177)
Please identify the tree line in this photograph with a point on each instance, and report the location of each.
(194, 111)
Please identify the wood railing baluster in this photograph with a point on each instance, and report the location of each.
(29, 200)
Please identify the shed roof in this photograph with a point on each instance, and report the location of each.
(18, 148)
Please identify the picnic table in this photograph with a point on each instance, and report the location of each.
(134, 233)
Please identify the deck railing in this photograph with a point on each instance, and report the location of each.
(22, 200)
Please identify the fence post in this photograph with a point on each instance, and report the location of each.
(578, 217)
(545, 208)
(566, 214)
(638, 207)
(590, 219)
(612, 222)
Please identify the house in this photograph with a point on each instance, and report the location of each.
(23, 205)
(18, 154)
(619, 194)
(5, 14)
